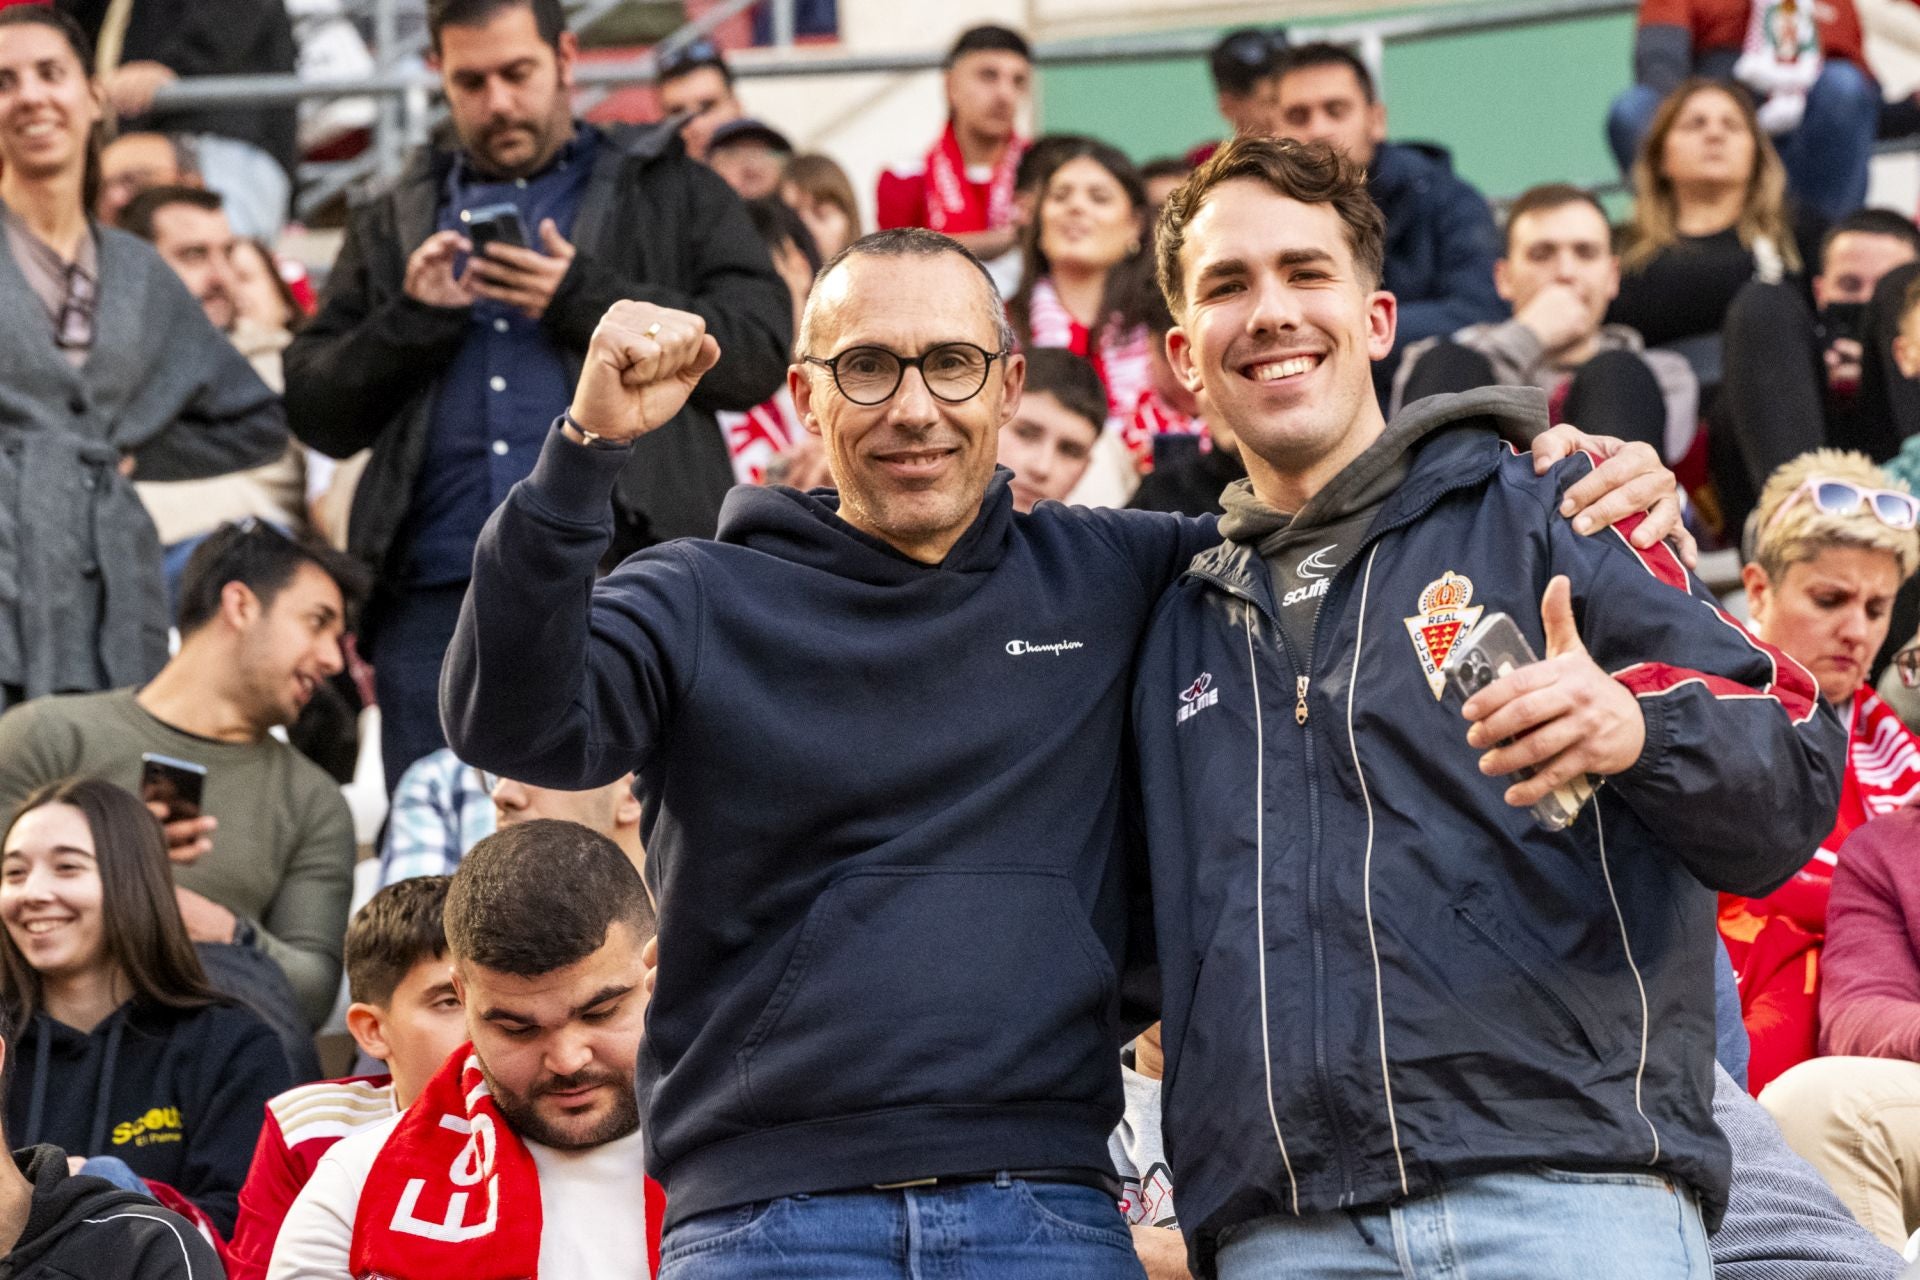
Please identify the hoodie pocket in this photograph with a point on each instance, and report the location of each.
(915, 986)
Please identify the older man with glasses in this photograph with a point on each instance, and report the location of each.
(877, 739)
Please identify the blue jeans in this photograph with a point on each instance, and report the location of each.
(116, 1171)
(1007, 1229)
(1826, 157)
(1542, 1224)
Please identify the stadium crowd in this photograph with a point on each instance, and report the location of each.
(910, 752)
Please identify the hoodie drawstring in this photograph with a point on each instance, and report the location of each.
(103, 1094)
(1360, 1224)
(37, 1101)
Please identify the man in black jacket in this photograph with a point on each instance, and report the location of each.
(55, 1225)
(446, 361)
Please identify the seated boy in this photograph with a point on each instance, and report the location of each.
(404, 1013)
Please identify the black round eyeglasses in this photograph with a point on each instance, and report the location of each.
(953, 371)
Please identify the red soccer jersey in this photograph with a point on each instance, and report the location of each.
(302, 1125)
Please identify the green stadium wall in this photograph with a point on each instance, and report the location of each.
(1516, 107)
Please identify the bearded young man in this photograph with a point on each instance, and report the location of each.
(522, 1155)
(445, 357)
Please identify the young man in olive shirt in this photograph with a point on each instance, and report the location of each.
(270, 864)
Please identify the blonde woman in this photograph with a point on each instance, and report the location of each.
(1834, 539)
(1710, 213)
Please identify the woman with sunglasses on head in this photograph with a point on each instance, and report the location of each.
(124, 1057)
(108, 370)
(1833, 540)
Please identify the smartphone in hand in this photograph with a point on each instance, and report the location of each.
(177, 784)
(494, 224)
(1491, 651)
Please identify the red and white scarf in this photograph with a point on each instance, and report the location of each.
(454, 1194)
(1883, 774)
(1124, 360)
(761, 434)
(956, 205)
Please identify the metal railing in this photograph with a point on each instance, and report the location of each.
(407, 111)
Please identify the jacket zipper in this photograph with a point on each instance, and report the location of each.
(1316, 933)
(1323, 1073)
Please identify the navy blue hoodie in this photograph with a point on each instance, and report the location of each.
(883, 814)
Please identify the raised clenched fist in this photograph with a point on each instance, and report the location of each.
(642, 364)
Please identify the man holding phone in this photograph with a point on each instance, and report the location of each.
(1799, 378)
(1399, 1013)
(459, 313)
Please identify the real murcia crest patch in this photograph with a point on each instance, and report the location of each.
(1446, 611)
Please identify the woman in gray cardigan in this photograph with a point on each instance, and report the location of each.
(108, 370)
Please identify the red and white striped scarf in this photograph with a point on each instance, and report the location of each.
(756, 437)
(1124, 360)
(954, 204)
(1883, 773)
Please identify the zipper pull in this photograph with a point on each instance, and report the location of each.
(1300, 700)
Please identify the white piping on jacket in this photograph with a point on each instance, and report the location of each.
(1260, 895)
(1640, 1071)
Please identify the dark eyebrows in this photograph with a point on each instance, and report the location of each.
(1222, 269)
(610, 992)
(605, 995)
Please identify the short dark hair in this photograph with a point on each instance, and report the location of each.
(778, 222)
(549, 16)
(909, 242)
(1071, 380)
(254, 553)
(1872, 222)
(1165, 167)
(538, 896)
(689, 58)
(1321, 54)
(1243, 58)
(137, 218)
(398, 928)
(1545, 198)
(988, 37)
(1310, 172)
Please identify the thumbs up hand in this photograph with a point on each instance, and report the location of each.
(1562, 716)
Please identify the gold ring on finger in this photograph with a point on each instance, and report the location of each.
(653, 330)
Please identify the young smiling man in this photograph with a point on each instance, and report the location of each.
(268, 867)
(1407, 1029)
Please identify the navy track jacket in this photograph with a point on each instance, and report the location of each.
(884, 814)
(1377, 975)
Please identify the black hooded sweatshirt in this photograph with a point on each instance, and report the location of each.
(87, 1229)
(180, 1095)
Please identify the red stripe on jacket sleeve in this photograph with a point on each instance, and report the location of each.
(1792, 685)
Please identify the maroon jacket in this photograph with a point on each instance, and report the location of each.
(1870, 981)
